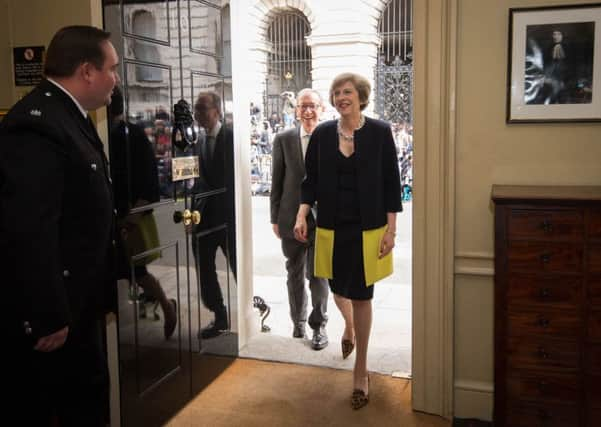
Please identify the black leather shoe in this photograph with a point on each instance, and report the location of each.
(320, 339)
(214, 329)
(299, 331)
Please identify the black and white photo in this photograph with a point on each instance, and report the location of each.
(553, 71)
(559, 63)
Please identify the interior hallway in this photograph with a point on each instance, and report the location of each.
(252, 393)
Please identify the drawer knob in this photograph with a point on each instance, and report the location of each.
(545, 293)
(546, 257)
(544, 415)
(542, 353)
(543, 322)
(547, 226)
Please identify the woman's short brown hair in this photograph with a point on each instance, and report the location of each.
(361, 84)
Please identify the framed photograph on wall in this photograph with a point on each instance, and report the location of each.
(554, 68)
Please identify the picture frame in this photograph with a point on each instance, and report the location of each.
(554, 64)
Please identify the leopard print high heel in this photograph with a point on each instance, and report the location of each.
(359, 398)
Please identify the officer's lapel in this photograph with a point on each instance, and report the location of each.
(89, 130)
(83, 123)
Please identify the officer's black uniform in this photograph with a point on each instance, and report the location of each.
(56, 228)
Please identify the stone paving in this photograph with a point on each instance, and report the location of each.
(390, 342)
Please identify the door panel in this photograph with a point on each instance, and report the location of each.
(213, 192)
(169, 50)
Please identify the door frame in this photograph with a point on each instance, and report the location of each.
(435, 74)
(435, 34)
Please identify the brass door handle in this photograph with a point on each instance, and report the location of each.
(187, 216)
(196, 217)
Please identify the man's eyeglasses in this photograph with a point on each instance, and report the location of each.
(308, 107)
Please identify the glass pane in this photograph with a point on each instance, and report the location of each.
(148, 110)
(214, 139)
(213, 240)
(147, 19)
(205, 28)
(226, 63)
(215, 260)
(148, 295)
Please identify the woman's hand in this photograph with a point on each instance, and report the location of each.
(300, 229)
(386, 244)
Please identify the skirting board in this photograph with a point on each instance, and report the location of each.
(470, 422)
(473, 399)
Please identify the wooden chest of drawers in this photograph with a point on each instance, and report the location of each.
(547, 306)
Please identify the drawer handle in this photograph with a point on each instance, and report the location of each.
(542, 322)
(544, 293)
(542, 353)
(542, 386)
(547, 226)
(546, 257)
(544, 415)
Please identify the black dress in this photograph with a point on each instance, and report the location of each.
(349, 273)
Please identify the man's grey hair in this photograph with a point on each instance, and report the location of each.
(309, 91)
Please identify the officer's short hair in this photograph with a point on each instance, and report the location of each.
(72, 46)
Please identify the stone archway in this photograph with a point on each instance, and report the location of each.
(261, 13)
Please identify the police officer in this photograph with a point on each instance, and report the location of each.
(56, 228)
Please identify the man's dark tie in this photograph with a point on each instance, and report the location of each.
(211, 145)
(206, 152)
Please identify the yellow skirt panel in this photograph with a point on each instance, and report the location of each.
(375, 268)
(324, 253)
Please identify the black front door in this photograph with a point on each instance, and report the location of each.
(177, 293)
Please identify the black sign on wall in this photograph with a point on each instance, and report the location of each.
(28, 62)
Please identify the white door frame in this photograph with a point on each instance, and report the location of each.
(435, 29)
(434, 32)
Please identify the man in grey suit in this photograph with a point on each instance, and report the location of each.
(288, 171)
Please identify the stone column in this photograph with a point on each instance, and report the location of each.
(256, 67)
(345, 40)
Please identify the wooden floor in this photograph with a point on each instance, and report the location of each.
(256, 393)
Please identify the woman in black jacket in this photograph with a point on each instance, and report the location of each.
(352, 175)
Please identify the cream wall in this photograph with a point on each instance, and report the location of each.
(489, 151)
(5, 56)
(33, 22)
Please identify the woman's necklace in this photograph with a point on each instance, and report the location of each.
(351, 137)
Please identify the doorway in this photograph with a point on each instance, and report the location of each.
(392, 87)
